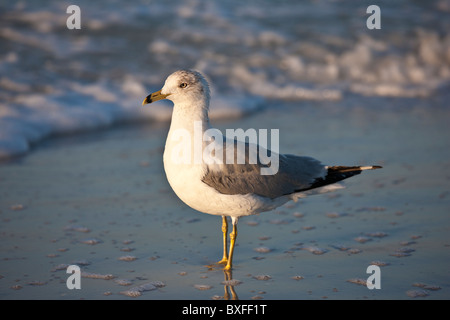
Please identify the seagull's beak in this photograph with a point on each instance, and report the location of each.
(155, 96)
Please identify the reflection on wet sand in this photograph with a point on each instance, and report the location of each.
(229, 284)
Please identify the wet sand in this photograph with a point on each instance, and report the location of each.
(101, 200)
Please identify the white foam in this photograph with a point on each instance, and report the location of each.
(55, 81)
(36, 116)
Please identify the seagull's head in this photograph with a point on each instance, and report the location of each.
(182, 86)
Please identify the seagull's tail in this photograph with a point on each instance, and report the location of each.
(338, 173)
(342, 169)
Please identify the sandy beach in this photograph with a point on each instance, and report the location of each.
(100, 200)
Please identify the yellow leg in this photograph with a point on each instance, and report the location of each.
(224, 231)
(233, 236)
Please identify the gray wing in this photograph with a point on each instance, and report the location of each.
(294, 174)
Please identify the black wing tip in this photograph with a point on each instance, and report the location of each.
(338, 173)
(352, 169)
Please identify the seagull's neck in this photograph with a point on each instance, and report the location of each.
(189, 123)
(185, 115)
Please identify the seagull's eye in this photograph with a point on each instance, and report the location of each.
(183, 85)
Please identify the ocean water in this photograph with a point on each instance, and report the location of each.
(55, 80)
(81, 176)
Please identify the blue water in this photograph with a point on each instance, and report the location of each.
(56, 80)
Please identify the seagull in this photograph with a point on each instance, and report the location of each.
(231, 188)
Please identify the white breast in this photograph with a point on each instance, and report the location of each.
(186, 181)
